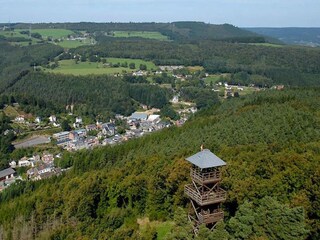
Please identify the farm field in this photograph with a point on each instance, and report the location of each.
(54, 33)
(86, 68)
(12, 34)
(215, 78)
(150, 35)
(267, 45)
(74, 43)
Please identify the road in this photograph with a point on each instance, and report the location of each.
(32, 142)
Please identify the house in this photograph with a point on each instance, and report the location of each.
(7, 175)
(175, 99)
(13, 164)
(91, 127)
(79, 120)
(108, 129)
(20, 119)
(77, 134)
(52, 118)
(24, 163)
(139, 116)
(61, 136)
(47, 158)
(154, 118)
(37, 120)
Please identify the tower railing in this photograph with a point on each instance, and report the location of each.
(213, 176)
(207, 217)
(205, 198)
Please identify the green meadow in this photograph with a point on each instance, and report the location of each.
(86, 68)
(73, 43)
(214, 78)
(142, 34)
(267, 45)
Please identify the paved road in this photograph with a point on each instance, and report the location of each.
(32, 142)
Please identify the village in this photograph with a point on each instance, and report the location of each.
(42, 166)
(83, 135)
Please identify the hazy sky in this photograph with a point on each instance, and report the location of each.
(242, 13)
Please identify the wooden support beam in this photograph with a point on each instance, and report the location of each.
(194, 208)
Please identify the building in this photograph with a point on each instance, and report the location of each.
(205, 193)
(24, 163)
(108, 129)
(91, 127)
(154, 118)
(38, 120)
(47, 158)
(79, 120)
(7, 175)
(13, 164)
(61, 136)
(139, 116)
(77, 134)
(52, 118)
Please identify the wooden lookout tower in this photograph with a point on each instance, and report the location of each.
(204, 192)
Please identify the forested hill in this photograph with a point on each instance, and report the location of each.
(181, 31)
(270, 141)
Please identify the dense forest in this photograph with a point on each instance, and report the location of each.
(270, 141)
(47, 94)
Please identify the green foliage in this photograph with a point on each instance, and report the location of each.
(270, 220)
(65, 125)
(46, 94)
(270, 141)
(168, 112)
(204, 98)
(182, 230)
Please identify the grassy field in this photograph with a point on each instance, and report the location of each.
(54, 33)
(150, 35)
(86, 68)
(215, 78)
(73, 43)
(150, 65)
(11, 112)
(267, 44)
(11, 34)
(195, 68)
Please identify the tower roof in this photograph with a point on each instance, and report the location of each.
(206, 159)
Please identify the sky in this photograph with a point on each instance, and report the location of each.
(241, 13)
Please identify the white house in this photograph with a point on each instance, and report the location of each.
(13, 164)
(38, 120)
(20, 119)
(24, 163)
(79, 120)
(52, 118)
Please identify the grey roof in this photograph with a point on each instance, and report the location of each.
(6, 172)
(139, 116)
(206, 159)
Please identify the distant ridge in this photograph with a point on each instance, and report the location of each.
(180, 31)
(292, 35)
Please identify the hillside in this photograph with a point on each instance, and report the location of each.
(270, 141)
(297, 36)
(178, 31)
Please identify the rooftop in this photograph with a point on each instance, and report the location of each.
(6, 172)
(139, 116)
(205, 159)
